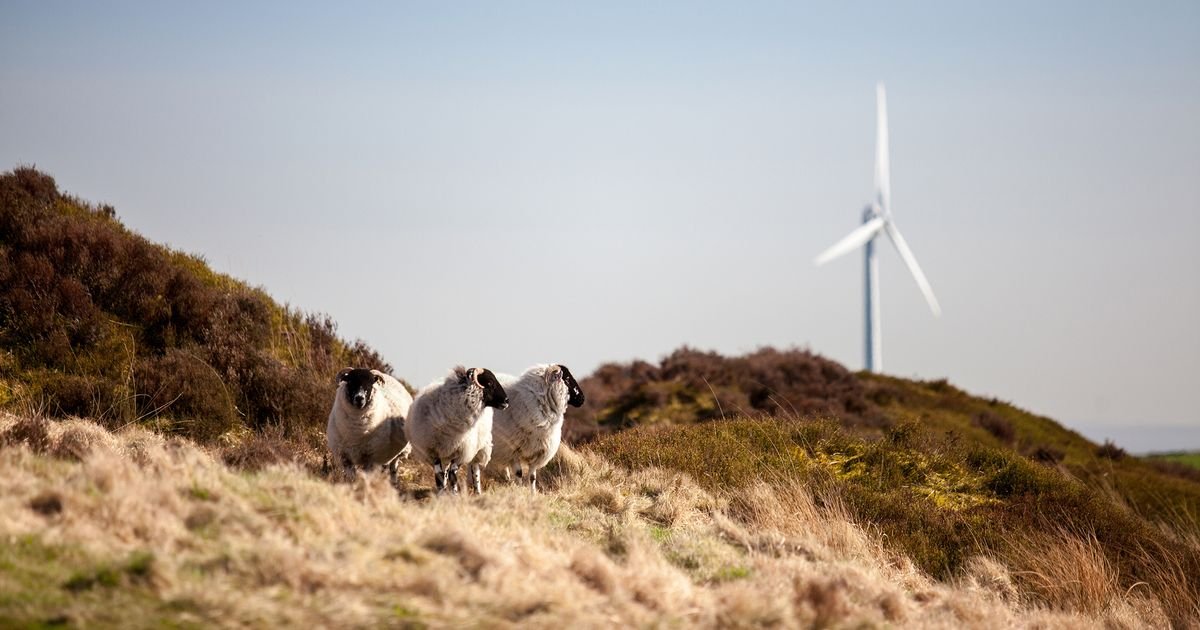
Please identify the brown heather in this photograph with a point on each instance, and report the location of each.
(97, 321)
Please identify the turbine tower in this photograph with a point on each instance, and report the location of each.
(877, 217)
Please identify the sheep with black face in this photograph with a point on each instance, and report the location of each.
(450, 424)
(526, 436)
(366, 424)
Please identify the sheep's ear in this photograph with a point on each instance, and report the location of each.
(341, 377)
(378, 377)
(473, 373)
(553, 373)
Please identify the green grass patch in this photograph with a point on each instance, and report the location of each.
(53, 586)
(731, 573)
(1187, 458)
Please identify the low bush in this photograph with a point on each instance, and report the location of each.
(1108, 450)
(999, 427)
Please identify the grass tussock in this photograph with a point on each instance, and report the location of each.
(139, 529)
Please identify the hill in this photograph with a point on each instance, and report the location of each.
(97, 321)
(693, 387)
(136, 530)
(194, 490)
(943, 475)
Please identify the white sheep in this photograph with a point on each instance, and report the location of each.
(366, 424)
(449, 424)
(528, 433)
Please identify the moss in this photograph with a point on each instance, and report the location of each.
(408, 617)
(731, 573)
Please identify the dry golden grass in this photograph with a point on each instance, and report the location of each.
(134, 529)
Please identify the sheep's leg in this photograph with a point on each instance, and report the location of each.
(439, 476)
(517, 468)
(452, 477)
(533, 480)
(347, 467)
(476, 478)
(508, 474)
(392, 467)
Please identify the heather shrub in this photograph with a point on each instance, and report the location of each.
(1108, 450)
(999, 427)
(1047, 454)
(693, 386)
(102, 322)
(181, 385)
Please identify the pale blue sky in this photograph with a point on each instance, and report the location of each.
(641, 177)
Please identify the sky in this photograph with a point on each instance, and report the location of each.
(501, 184)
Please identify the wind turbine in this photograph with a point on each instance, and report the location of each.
(877, 217)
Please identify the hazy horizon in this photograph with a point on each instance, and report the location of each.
(503, 185)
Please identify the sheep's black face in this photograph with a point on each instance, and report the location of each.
(493, 394)
(359, 386)
(574, 392)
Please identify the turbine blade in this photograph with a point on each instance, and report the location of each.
(860, 235)
(883, 176)
(913, 267)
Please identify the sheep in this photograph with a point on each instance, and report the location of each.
(528, 433)
(449, 424)
(366, 424)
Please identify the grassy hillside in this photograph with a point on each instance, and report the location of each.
(137, 530)
(97, 321)
(943, 475)
(195, 492)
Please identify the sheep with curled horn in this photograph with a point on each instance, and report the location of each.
(527, 434)
(449, 424)
(366, 423)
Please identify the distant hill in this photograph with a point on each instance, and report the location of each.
(97, 321)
